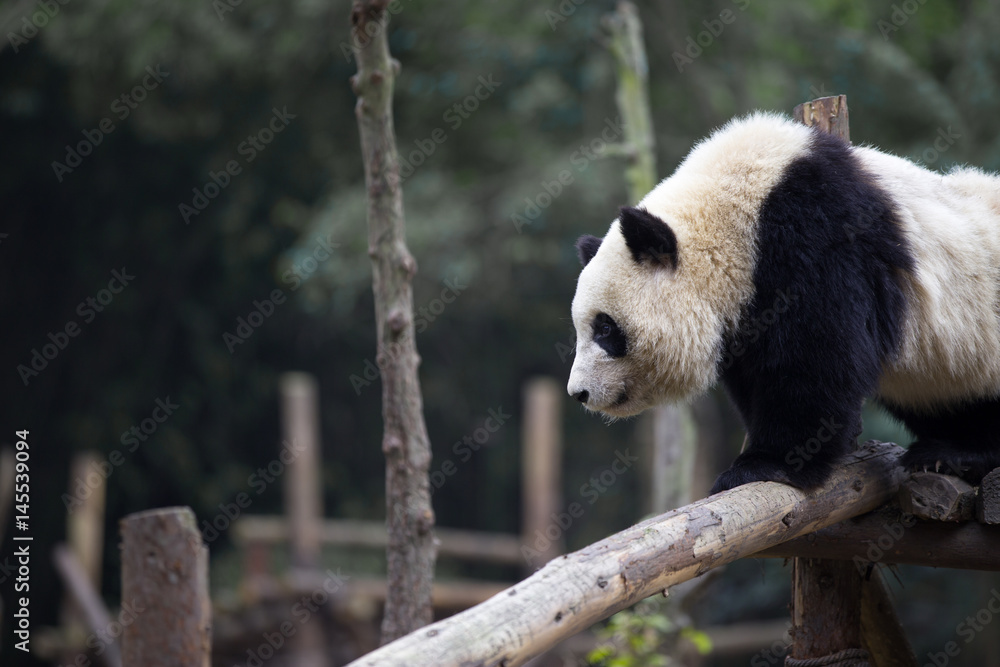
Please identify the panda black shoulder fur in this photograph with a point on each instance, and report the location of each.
(806, 274)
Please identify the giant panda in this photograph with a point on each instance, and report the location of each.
(806, 274)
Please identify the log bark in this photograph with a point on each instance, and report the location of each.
(165, 584)
(574, 591)
(889, 537)
(826, 607)
(411, 552)
(988, 501)
(937, 497)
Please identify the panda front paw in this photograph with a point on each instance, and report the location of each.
(752, 467)
(929, 455)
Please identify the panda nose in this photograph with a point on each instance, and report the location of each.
(582, 396)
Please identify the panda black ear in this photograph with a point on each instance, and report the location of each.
(586, 248)
(648, 236)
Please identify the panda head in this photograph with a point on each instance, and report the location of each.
(642, 335)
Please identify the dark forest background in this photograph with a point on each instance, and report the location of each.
(921, 79)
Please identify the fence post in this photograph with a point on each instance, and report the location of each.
(165, 590)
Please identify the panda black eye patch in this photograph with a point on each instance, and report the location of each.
(609, 336)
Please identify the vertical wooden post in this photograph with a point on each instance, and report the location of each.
(673, 458)
(303, 493)
(826, 607)
(826, 594)
(541, 442)
(303, 498)
(165, 584)
(85, 523)
(85, 530)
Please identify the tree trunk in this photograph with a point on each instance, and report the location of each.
(411, 550)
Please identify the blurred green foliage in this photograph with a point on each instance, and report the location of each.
(908, 78)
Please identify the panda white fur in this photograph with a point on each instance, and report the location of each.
(806, 274)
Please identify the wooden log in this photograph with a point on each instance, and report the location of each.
(575, 591)
(882, 634)
(468, 544)
(542, 462)
(828, 114)
(303, 492)
(988, 502)
(888, 536)
(411, 551)
(826, 608)
(88, 601)
(165, 578)
(937, 497)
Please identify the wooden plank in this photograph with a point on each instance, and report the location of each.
(469, 544)
(572, 592)
(165, 574)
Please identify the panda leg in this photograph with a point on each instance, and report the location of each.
(961, 440)
(792, 442)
